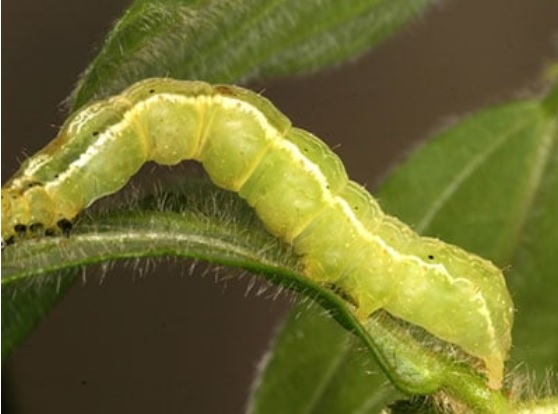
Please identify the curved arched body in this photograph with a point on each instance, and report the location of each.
(297, 186)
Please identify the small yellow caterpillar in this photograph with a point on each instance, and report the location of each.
(297, 186)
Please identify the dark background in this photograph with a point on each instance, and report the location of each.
(169, 342)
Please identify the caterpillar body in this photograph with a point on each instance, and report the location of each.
(297, 186)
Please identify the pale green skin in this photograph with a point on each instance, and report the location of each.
(299, 189)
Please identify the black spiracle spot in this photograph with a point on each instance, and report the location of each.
(151, 91)
(65, 225)
(430, 257)
(20, 229)
(32, 184)
(95, 133)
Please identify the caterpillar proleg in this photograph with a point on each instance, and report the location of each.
(298, 188)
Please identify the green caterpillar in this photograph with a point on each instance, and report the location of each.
(297, 186)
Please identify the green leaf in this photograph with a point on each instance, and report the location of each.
(25, 303)
(231, 41)
(316, 366)
(489, 184)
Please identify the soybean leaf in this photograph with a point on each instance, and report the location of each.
(317, 366)
(230, 41)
